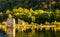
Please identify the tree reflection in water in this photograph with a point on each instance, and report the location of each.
(42, 33)
(38, 33)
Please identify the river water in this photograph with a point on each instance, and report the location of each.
(36, 34)
(2, 35)
(39, 34)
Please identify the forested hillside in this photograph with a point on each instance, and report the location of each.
(34, 4)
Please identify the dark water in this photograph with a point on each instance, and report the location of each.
(2, 35)
(36, 34)
(39, 34)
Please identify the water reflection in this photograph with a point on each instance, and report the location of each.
(39, 34)
(36, 34)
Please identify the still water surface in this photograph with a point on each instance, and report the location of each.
(2, 35)
(36, 34)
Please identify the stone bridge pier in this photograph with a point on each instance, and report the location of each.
(10, 27)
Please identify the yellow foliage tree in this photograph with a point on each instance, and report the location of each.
(15, 10)
(16, 14)
(1, 13)
(8, 11)
(10, 16)
(4, 23)
(31, 10)
(20, 9)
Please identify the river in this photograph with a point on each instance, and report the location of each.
(39, 34)
(36, 34)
